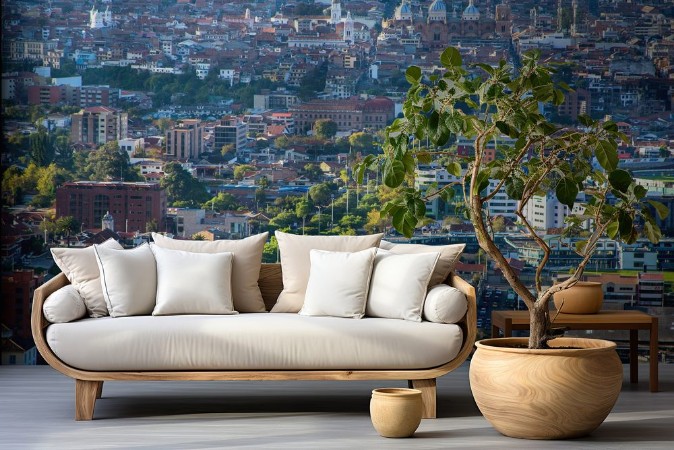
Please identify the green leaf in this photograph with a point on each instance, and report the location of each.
(514, 187)
(652, 232)
(404, 221)
(566, 191)
(580, 246)
(482, 180)
(408, 163)
(607, 155)
(424, 157)
(610, 126)
(625, 225)
(413, 74)
(454, 168)
(640, 191)
(394, 173)
(503, 127)
(585, 120)
(612, 230)
(620, 180)
(433, 121)
(450, 58)
(660, 209)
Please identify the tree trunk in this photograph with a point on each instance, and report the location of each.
(539, 320)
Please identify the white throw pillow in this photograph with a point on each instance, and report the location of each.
(192, 283)
(445, 304)
(79, 266)
(399, 284)
(245, 267)
(338, 283)
(295, 262)
(449, 255)
(129, 280)
(64, 305)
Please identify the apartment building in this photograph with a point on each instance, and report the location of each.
(131, 204)
(230, 130)
(97, 125)
(185, 141)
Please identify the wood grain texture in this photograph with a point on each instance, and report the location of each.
(428, 396)
(555, 393)
(271, 284)
(85, 398)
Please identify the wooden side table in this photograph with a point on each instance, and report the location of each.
(507, 321)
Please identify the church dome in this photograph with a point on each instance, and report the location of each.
(404, 11)
(471, 12)
(438, 6)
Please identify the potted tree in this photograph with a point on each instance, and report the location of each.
(533, 157)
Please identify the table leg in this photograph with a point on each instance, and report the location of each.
(634, 359)
(508, 328)
(494, 331)
(653, 358)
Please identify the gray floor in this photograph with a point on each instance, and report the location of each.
(36, 411)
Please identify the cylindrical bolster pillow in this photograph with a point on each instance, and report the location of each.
(64, 305)
(445, 304)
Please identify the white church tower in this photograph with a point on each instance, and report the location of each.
(335, 12)
(108, 222)
(348, 28)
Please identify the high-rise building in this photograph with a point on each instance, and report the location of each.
(97, 125)
(230, 130)
(131, 205)
(185, 141)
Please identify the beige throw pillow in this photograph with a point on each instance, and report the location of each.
(80, 267)
(192, 283)
(64, 305)
(445, 304)
(399, 284)
(295, 262)
(247, 260)
(449, 255)
(129, 280)
(338, 283)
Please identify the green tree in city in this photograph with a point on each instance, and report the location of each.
(224, 201)
(313, 171)
(110, 163)
(361, 141)
(66, 226)
(42, 149)
(181, 187)
(325, 128)
(241, 169)
(320, 194)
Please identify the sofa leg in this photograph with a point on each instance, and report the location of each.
(99, 391)
(428, 395)
(85, 398)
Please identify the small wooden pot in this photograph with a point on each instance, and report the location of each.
(396, 412)
(584, 297)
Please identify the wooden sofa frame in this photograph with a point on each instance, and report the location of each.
(89, 384)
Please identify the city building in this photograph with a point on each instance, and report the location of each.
(354, 113)
(184, 141)
(97, 125)
(230, 131)
(132, 205)
(17, 297)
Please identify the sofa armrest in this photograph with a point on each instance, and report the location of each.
(469, 322)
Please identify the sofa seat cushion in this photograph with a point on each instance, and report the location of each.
(253, 341)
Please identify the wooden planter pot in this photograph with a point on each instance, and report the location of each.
(555, 393)
(584, 297)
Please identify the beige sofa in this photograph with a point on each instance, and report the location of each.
(251, 346)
